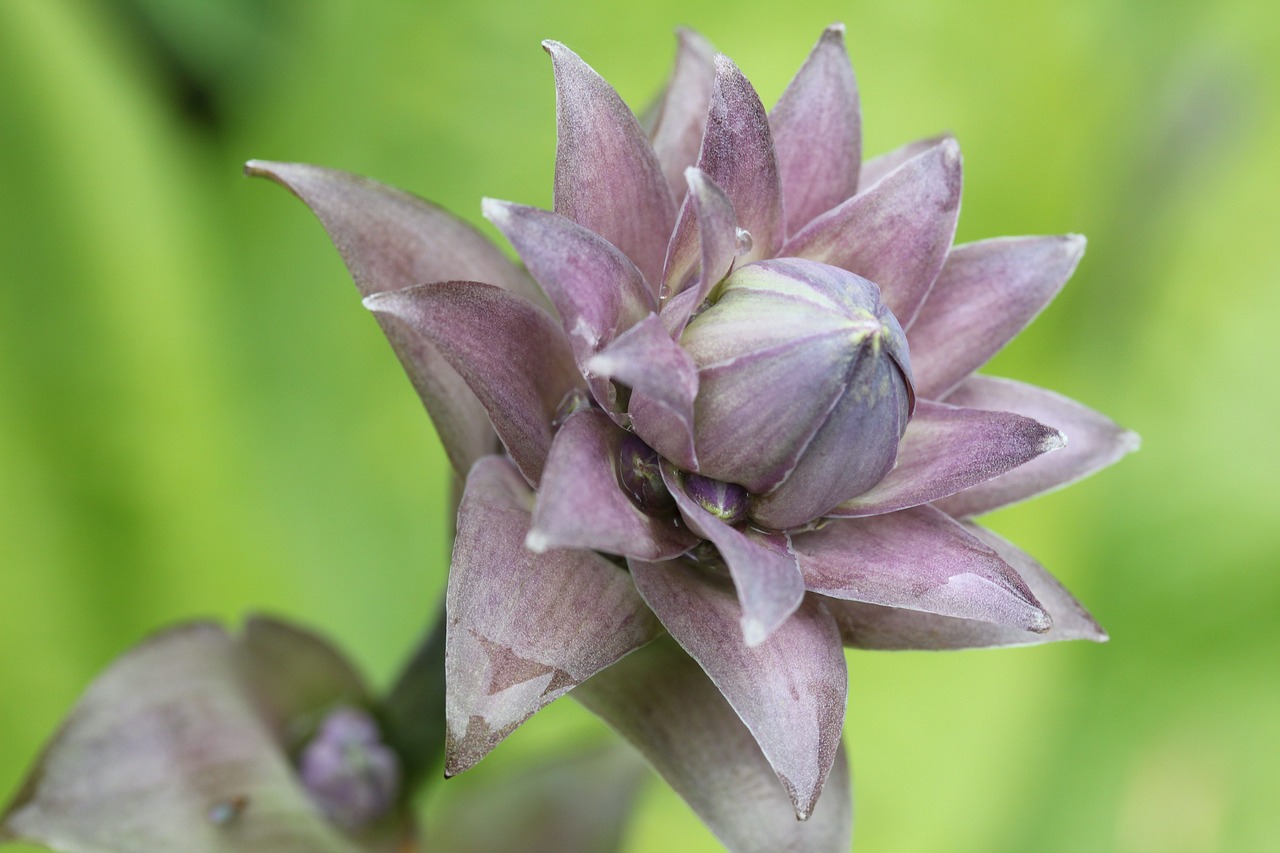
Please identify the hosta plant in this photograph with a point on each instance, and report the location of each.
(718, 423)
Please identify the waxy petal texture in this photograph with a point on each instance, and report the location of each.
(789, 690)
(523, 628)
(512, 355)
(168, 750)
(986, 293)
(869, 626)
(918, 559)
(580, 504)
(607, 177)
(663, 381)
(947, 449)
(738, 156)
(1093, 443)
(769, 584)
(391, 240)
(896, 233)
(682, 117)
(597, 290)
(817, 132)
(661, 701)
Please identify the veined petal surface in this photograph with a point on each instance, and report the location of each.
(391, 240)
(580, 504)
(523, 628)
(870, 626)
(947, 449)
(1093, 442)
(607, 177)
(682, 113)
(768, 581)
(790, 689)
(817, 132)
(918, 559)
(986, 293)
(512, 355)
(875, 168)
(896, 233)
(662, 701)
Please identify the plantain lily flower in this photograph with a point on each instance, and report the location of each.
(729, 397)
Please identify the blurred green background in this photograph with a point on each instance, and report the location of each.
(198, 418)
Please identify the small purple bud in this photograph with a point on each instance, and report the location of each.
(727, 501)
(640, 473)
(350, 773)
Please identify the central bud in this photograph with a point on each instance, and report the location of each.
(804, 387)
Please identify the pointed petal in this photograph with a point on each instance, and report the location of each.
(877, 167)
(663, 381)
(607, 177)
(986, 293)
(523, 628)
(918, 559)
(165, 741)
(390, 240)
(737, 154)
(596, 289)
(790, 689)
(512, 355)
(869, 626)
(896, 233)
(765, 574)
(580, 504)
(661, 701)
(947, 449)
(718, 246)
(817, 130)
(1093, 443)
(682, 116)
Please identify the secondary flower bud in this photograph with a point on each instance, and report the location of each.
(804, 387)
(727, 501)
(641, 475)
(350, 773)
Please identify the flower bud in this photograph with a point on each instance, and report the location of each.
(350, 773)
(728, 502)
(804, 387)
(641, 475)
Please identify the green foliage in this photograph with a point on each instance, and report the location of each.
(198, 418)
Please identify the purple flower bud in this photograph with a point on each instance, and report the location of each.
(728, 501)
(641, 476)
(804, 387)
(350, 773)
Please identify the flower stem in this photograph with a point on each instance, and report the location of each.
(413, 712)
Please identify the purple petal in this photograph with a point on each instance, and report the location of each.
(581, 505)
(597, 290)
(876, 168)
(663, 381)
(870, 626)
(660, 700)
(1093, 443)
(918, 559)
(790, 689)
(512, 355)
(947, 449)
(718, 245)
(523, 628)
(986, 293)
(766, 576)
(167, 750)
(607, 177)
(391, 240)
(737, 155)
(682, 115)
(896, 233)
(817, 130)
